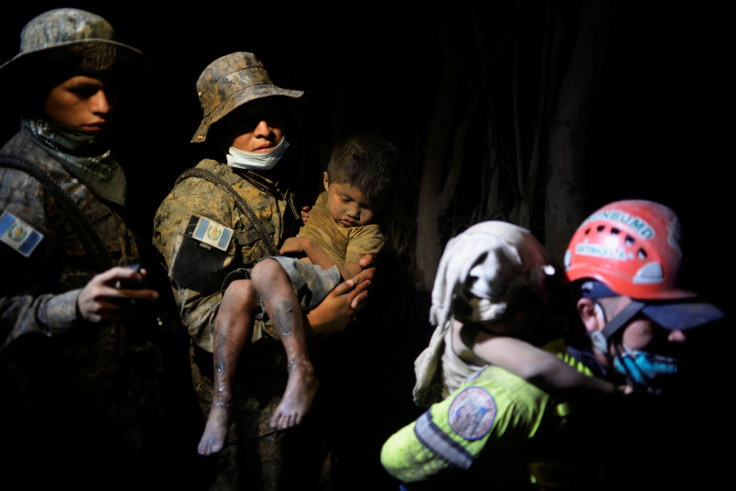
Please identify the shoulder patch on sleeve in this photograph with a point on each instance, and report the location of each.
(472, 413)
(18, 234)
(202, 259)
(209, 232)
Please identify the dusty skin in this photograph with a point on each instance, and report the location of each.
(298, 396)
(233, 330)
(302, 385)
(232, 321)
(215, 432)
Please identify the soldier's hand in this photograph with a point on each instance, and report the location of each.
(367, 262)
(106, 297)
(336, 311)
(305, 213)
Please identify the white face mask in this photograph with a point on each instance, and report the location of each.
(241, 159)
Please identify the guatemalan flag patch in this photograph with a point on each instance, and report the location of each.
(209, 232)
(18, 234)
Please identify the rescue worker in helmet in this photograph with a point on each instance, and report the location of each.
(624, 262)
(500, 430)
(623, 265)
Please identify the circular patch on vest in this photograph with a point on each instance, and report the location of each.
(472, 413)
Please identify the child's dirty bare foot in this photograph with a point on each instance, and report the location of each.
(215, 432)
(298, 396)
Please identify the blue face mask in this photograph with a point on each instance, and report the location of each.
(644, 369)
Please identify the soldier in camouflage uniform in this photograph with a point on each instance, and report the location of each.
(228, 214)
(79, 395)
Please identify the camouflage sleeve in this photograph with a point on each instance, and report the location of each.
(44, 314)
(21, 311)
(198, 312)
(197, 296)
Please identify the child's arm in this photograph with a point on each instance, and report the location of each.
(537, 366)
(317, 255)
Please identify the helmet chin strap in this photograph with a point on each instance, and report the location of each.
(599, 339)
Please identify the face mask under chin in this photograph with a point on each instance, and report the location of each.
(240, 159)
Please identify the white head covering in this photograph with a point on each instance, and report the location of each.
(484, 262)
(489, 257)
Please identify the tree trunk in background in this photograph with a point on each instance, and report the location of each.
(548, 142)
(439, 178)
(565, 205)
(448, 132)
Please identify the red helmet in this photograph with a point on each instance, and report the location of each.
(632, 247)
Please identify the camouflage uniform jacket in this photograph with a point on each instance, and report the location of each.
(41, 337)
(39, 293)
(197, 268)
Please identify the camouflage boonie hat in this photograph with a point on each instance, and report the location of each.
(72, 39)
(229, 82)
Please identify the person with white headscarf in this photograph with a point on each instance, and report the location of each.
(527, 417)
(495, 373)
(490, 306)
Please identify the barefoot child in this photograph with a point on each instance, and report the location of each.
(338, 232)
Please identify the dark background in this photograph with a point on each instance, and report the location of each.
(658, 130)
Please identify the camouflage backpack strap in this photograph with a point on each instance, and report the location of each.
(83, 229)
(239, 202)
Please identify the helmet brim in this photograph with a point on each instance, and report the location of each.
(683, 315)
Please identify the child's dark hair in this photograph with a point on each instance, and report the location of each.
(365, 162)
